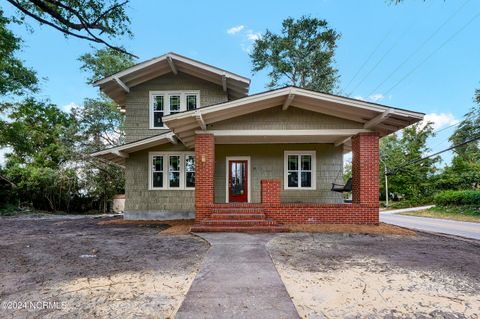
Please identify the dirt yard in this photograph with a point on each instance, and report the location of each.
(86, 269)
(379, 276)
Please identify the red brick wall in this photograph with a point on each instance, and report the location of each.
(204, 174)
(271, 191)
(322, 213)
(304, 213)
(365, 169)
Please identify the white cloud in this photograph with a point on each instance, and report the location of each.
(235, 29)
(253, 36)
(247, 36)
(440, 120)
(358, 97)
(376, 97)
(68, 108)
(250, 36)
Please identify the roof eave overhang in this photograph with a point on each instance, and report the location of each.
(374, 117)
(119, 154)
(118, 85)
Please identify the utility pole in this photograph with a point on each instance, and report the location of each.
(385, 170)
(386, 186)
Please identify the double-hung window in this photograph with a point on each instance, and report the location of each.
(158, 107)
(299, 170)
(189, 171)
(164, 103)
(171, 170)
(157, 171)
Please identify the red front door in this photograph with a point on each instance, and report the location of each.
(237, 181)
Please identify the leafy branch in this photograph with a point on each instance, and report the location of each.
(84, 20)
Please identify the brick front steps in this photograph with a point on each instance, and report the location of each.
(200, 228)
(238, 219)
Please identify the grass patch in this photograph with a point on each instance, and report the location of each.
(459, 213)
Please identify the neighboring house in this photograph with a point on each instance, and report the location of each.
(198, 146)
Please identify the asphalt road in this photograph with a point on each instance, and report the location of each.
(444, 226)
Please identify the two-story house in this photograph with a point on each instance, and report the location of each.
(198, 146)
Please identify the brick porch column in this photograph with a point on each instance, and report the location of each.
(204, 174)
(365, 169)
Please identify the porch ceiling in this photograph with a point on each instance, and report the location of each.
(336, 137)
(374, 117)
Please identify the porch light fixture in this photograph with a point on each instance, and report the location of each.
(203, 158)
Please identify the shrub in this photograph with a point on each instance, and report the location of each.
(407, 203)
(458, 198)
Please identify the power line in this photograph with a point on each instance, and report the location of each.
(412, 23)
(398, 168)
(445, 128)
(368, 58)
(419, 48)
(381, 59)
(433, 53)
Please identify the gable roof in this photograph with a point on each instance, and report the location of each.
(117, 85)
(374, 117)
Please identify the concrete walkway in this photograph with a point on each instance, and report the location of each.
(444, 226)
(237, 280)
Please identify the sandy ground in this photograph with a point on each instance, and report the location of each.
(85, 269)
(379, 276)
(385, 229)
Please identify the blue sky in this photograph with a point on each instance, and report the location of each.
(432, 42)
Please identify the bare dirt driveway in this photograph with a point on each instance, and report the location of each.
(87, 270)
(379, 276)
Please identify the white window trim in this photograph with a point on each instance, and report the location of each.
(166, 161)
(166, 103)
(285, 170)
(249, 177)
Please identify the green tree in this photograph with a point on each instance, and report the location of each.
(37, 132)
(42, 139)
(15, 78)
(104, 62)
(468, 129)
(464, 171)
(101, 126)
(302, 55)
(413, 181)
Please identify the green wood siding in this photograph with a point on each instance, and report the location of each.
(137, 103)
(291, 119)
(267, 162)
(139, 198)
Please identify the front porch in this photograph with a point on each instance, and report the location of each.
(272, 210)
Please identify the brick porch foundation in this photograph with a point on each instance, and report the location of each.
(271, 212)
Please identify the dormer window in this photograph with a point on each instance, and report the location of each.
(164, 103)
